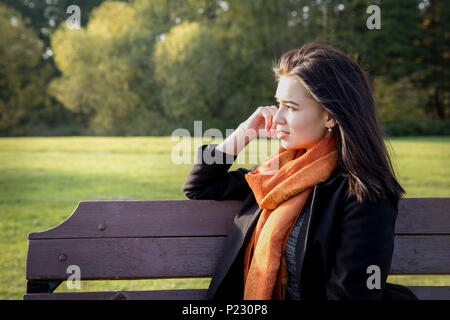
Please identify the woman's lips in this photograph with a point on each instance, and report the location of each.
(282, 134)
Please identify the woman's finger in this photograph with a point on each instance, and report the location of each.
(265, 114)
(272, 128)
(269, 121)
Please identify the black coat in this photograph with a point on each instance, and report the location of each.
(339, 239)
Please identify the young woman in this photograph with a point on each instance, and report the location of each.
(318, 217)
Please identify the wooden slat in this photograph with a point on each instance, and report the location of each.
(152, 258)
(159, 218)
(422, 293)
(186, 294)
(124, 258)
(431, 293)
(423, 216)
(421, 255)
(166, 218)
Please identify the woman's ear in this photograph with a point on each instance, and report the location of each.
(329, 120)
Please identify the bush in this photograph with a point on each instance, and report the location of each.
(426, 127)
(399, 101)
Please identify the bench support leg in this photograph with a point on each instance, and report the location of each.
(42, 286)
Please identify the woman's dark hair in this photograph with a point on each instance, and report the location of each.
(342, 87)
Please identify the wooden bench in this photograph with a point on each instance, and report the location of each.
(111, 240)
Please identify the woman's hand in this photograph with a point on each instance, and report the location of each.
(260, 122)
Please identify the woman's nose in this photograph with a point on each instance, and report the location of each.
(277, 118)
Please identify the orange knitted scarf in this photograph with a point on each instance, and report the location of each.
(281, 193)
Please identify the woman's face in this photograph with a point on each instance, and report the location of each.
(302, 117)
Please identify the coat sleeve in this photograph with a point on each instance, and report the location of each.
(364, 251)
(209, 177)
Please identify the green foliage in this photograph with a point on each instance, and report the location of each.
(45, 16)
(97, 69)
(189, 70)
(424, 127)
(23, 77)
(147, 67)
(398, 101)
(434, 75)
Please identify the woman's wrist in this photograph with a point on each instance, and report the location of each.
(235, 142)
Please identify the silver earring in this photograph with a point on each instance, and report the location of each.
(329, 129)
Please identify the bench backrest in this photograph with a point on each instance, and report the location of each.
(112, 240)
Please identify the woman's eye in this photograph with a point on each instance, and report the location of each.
(287, 106)
(290, 107)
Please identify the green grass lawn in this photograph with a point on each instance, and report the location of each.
(43, 179)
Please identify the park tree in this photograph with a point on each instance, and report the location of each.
(107, 66)
(99, 69)
(434, 75)
(189, 71)
(24, 104)
(45, 16)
